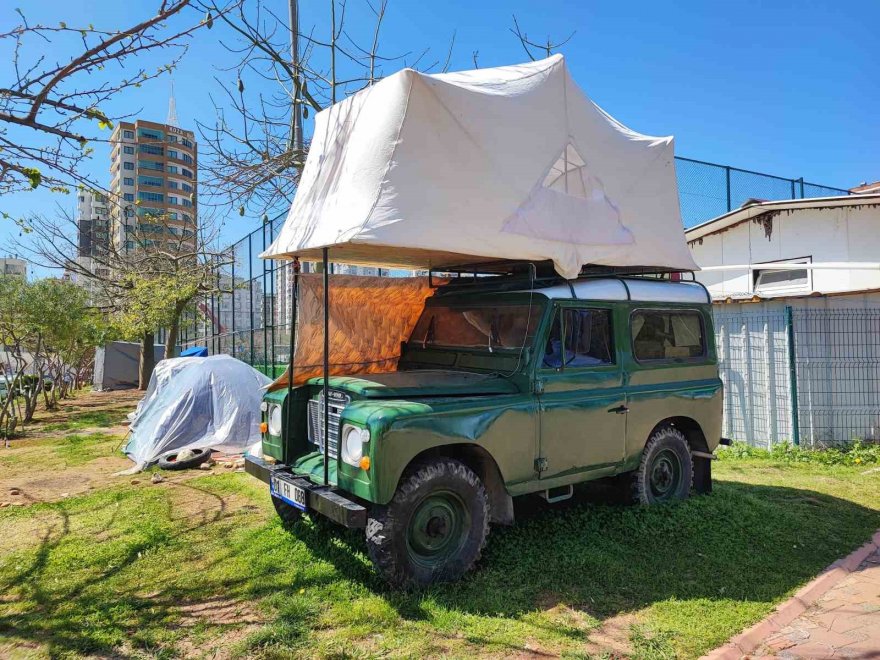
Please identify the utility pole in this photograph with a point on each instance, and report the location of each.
(296, 127)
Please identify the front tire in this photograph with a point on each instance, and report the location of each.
(434, 528)
(666, 471)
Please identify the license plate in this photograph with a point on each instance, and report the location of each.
(289, 492)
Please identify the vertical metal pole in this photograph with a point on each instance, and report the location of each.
(274, 270)
(802, 187)
(727, 177)
(251, 293)
(792, 189)
(232, 305)
(326, 369)
(266, 295)
(792, 376)
(294, 295)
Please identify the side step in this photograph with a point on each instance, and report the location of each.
(554, 495)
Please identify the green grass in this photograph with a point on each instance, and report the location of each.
(85, 420)
(120, 571)
(75, 449)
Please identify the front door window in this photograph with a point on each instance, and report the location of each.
(587, 339)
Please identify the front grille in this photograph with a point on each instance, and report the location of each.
(338, 401)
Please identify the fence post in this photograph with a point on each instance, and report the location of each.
(792, 376)
(801, 180)
(727, 177)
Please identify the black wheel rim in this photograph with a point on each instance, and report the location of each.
(665, 476)
(438, 529)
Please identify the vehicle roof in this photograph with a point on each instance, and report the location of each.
(637, 289)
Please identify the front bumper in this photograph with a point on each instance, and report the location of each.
(325, 500)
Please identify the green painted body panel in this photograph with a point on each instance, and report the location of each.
(421, 383)
(511, 406)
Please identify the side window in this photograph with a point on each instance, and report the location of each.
(667, 335)
(579, 338)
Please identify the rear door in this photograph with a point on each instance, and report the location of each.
(582, 401)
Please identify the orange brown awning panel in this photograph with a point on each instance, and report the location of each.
(369, 317)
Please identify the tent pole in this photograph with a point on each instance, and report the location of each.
(294, 296)
(326, 271)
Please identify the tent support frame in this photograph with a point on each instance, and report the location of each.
(294, 299)
(326, 425)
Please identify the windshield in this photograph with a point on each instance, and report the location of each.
(494, 327)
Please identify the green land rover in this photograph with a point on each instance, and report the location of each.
(506, 387)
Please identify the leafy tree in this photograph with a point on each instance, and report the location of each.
(49, 328)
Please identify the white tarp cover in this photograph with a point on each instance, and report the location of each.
(513, 162)
(197, 402)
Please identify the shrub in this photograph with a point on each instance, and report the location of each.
(857, 452)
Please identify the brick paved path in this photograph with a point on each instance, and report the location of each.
(843, 623)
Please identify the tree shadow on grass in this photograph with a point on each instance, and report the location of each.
(742, 543)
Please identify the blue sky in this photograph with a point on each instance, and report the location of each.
(788, 88)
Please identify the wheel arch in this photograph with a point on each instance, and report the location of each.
(692, 430)
(696, 440)
(483, 464)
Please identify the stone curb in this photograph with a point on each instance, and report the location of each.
(786, 612)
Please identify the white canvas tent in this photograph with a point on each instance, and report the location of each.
(513, 162)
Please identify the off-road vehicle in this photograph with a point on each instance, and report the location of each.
(507, 386)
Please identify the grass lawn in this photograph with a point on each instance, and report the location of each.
(199, 565)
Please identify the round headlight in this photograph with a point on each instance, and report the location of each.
(353, 439)
(275, 420)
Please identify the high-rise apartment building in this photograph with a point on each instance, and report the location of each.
(153, 185)
(93, 223)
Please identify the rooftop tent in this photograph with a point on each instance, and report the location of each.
(513, 162)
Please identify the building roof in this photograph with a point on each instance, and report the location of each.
(743, 214)
(866, 188)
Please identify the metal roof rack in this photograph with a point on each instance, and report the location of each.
(502, 275)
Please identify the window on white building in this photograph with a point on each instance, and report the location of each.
(783, 280)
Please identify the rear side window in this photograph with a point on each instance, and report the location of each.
(667, 335)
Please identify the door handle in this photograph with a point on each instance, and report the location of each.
(620, 410)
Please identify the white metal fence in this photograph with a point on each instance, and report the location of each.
(799, 375)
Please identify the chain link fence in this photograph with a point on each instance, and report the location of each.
(707, 190)
(807, 376)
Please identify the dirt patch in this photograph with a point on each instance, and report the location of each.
(613, 636)
(35, 483)
(229, 622)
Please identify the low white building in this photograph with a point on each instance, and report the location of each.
(838, 236)
(799, 348)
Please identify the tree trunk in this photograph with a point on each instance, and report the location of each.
(148, 360)
(174, 331)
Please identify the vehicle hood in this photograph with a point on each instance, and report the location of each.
(420, 383)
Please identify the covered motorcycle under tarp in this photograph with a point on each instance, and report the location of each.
(197, 403)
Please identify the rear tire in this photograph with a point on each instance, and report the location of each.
(666, 471)
(289, 514)
(434, 528)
